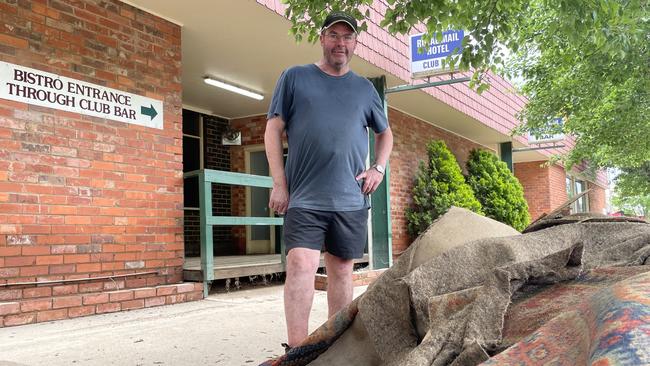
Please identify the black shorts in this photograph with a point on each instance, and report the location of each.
(343, 233)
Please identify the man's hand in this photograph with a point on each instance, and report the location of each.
(279, 200)
(372, 178)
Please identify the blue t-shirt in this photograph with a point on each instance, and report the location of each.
(326, 121)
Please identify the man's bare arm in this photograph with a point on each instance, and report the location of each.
(383, 147)
(279, 200)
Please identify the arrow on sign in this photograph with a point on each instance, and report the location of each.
(151, 112)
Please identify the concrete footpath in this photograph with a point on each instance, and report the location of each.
(242, 327)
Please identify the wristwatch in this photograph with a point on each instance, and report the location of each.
(379, 168)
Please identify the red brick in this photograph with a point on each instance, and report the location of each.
(63, 210)
(49, 315)
(37, 292)
(35, 305)
(9, 272)
(117, 296)
(61, 269)
(166, 290)
(114, 285)
(8, 308)
(154, 301)
(33, 271)
(110, 307)
(81, 311)
(19, 319)
(66, 302)
(36, 229)
(76, 239)
(133, 304)
(194, 296)
(93, 299)
(65, 289)
(91, 287)
(8, 295)
(76, 258)
(136, 282)
(185, 287)
(174, 299)
(36, 250)
(78, 220)
(64, 249)
(20, 261)
(89, 267)
(13, 41)
(144, 292)
(49, 259)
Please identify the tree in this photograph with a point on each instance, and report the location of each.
(500, 193)
(583, 60)
(439, 184)
(632, 190)
(634, 181)
(632, 205)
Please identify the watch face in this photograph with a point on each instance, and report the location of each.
(379, 168)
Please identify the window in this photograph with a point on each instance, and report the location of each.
(192, 156)
(574, 187)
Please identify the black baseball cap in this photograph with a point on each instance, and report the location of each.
(337, 17)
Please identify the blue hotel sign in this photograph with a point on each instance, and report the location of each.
(427, 61)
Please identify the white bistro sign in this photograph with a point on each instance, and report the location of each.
(23, 84)
(426, 60)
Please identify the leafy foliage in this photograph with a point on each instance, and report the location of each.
(584, 60)
(633, 205)
(588, 62)
(500, 193)
(634, 181)
(632, 191)
(439, 184)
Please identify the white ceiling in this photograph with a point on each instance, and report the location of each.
(243, 42)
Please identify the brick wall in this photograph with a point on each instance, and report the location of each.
(82, 196)
(534, 178)
(545, 188)
(597, 202)
(411, 136)
(557, 186)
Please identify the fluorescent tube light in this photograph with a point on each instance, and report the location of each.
(232, 88)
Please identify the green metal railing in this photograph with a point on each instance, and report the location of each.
(206, 178)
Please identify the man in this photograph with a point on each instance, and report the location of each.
(326, 111)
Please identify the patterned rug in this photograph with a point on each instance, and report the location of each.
(575, 293)
(601, 318)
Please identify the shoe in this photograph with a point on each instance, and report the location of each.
(287, 347)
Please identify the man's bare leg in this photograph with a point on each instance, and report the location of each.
(302, 264)
(339, 283)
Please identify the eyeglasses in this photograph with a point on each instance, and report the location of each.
(347, 38)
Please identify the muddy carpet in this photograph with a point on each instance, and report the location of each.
(571, 291)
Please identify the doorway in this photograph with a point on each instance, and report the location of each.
(260, 239)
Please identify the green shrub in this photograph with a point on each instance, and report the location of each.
(498, 190)
(439, 184)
